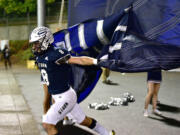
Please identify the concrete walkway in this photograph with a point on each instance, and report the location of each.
(15, 115)
(125, 120)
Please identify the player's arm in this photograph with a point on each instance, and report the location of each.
(65, 57)
(83, 60)
(46, 100)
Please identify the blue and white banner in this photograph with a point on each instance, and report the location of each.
(81, 10)
(143, 38)
(91, 33)
(87, 38)
(149, 39)
(130, 47)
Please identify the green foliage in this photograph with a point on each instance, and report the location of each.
(24, 55)
(50, 1)
(17, 45)
(20, 6)
(21, 51)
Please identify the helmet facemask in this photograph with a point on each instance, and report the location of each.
(41, 38)
(36, 47)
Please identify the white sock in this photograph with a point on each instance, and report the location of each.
(100, 129)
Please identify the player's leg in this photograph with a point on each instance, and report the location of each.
(155, 97)
(9, 62)
(80, 117)
(5, 63)
(94, 125)
(104, 75)
(50, 128)
(148, 97)
(63, 105)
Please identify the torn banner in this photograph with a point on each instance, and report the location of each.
(87, 38)
(121, 44)
(145, 38)
(129, 51)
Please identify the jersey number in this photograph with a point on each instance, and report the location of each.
(45, 76)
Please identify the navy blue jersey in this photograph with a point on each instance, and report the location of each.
(54, 74)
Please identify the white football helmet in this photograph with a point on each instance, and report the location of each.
(41, 38)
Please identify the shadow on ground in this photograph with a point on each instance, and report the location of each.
(168, 108)
(70, 130)
(167, 120)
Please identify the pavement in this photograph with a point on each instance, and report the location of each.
(22, 96)
(15, 115)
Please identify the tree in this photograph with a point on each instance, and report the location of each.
(20, 6)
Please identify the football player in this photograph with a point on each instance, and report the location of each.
(55, 72)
